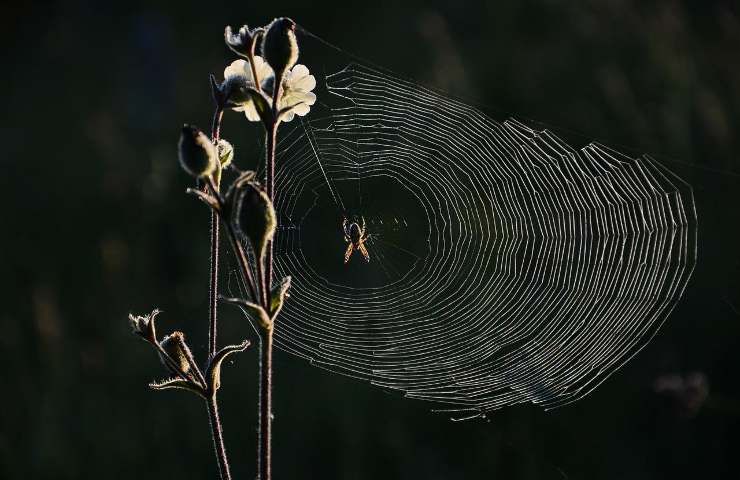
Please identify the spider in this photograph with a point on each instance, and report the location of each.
(355, 236)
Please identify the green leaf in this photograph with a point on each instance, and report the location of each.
(278, 295)
(209, 200)
(254, 310)
(225, 152)
(213, 374)
(262, 104)
(178, 383)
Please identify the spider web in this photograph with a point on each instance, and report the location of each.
(505, 266)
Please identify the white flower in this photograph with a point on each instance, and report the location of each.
(297, 87)
(240, 72)
(296, 91)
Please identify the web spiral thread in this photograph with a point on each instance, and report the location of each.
(509, 267)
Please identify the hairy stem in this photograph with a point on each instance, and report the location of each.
(265, 437)
(213, 289)
(270, 190)
(218, 438)
(265, 404)
(213, 286)
(213, 417)
(255, 78)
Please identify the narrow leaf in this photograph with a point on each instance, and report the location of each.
(178, 383)
(262, 104)
(214, 368)
(278, 295)
(204, 197)
(253, 310)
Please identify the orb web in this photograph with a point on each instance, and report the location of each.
(505, 266)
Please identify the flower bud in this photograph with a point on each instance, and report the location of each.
(175, 347)
(232, 92)
(197, 153)
(280, 46)
(254, 216)
(225, 152)
(242, 43)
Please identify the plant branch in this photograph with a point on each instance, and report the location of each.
(255, 78)
(213, 285)
(218, 115)
(270, 190)
(265, 406)
(218, 438)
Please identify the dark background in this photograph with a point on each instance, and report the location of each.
(96, 225)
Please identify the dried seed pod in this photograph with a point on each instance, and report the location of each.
(175, 347)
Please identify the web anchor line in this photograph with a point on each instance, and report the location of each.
(312, 141)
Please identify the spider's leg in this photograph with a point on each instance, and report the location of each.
(348, 253)
(344, 227)
(363, 224)
(346, 238)
(363, 251)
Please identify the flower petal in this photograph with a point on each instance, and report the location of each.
(288, 116)
(306, 83)
(300, 79)
(301, 109)
(250, 111)
(238, 67)
(264, 70)
(299, 71)
(309, 98)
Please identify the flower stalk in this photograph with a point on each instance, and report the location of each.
(213, 415)
(218, 438)
(270, 90)
(213, 285)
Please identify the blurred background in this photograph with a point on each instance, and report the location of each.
(97, 225)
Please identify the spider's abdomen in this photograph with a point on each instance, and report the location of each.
(355, 233)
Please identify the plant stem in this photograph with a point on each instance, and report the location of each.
(216, 125)
(265, 437)
(270, 190)
(214, 420)
(213, 292)
(213, 286)
(265, 406)
(218, 439)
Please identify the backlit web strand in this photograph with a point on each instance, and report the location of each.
(506, 267)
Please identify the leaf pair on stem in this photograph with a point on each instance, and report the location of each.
(178, 359)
